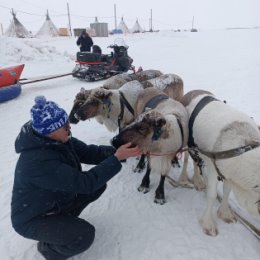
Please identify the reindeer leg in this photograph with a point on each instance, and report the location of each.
(197, 178)
(184, 179)
(141, 164)
(207, 221)
(159, 193)
(224, 211)
(144, 187)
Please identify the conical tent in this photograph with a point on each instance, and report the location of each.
(16, 29)
(137, 27)
(48, 28)
(122, 26)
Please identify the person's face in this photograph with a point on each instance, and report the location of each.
(62, 134)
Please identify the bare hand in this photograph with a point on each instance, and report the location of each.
(124, 151)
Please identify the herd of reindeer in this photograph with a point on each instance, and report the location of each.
(151, 110)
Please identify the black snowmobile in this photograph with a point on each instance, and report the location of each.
(92, 66)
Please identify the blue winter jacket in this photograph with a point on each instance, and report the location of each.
(48, 174)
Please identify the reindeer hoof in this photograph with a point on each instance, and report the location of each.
(159, 201)
(199, 185)
(227, 216)
(210, 232)
(209, 228)
(143, 189)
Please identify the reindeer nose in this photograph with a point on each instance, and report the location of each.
(115, 141)
(73, 119)
(77, 116)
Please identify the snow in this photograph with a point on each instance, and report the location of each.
(128, 224)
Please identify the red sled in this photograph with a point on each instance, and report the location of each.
(10, 76)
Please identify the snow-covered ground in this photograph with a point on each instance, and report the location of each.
(128, 224)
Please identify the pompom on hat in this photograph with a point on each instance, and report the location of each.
(47, 116)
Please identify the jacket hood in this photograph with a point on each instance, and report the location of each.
(29, 140)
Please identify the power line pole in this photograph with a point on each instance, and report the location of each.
(68, 9)
(2, 29)
(151, 21)
(115, 16)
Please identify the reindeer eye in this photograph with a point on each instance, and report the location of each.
(142, 130)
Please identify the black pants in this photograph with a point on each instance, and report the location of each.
(65, 235)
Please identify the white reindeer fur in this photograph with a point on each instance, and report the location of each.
(131, 91)
(168, 147)
(119, 80)
(197, 181)
(164, 80)
(161, 164)
(218, 127)
(171, 110)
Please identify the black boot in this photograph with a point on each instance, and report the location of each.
(46, 253)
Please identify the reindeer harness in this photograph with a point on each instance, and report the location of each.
(194, 150)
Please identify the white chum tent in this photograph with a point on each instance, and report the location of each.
(137, 28)
(16, 29)
(123, 27)
(48, 28)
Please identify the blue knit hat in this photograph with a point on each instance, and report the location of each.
(47, 116)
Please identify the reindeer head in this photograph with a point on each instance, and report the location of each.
(79, 100)
(91, 103)
(146, 129)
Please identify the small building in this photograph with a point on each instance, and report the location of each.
(64, 32)
(78, 31)
(101, 29)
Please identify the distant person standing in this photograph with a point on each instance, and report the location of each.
(84, 41)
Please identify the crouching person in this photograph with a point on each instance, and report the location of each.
(50, 189)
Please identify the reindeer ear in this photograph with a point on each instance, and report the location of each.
(87, 93)
(146, 118)
(103, 94)
(99, 93)
(80, 95)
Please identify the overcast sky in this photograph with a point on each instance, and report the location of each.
(167, 14)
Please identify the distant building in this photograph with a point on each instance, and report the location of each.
(101, 29)
(64, 32)
(16, 29)
(78, 31)
(91, 32)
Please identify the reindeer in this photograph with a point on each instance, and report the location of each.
(115, 108)
(228, 143)
(161, 132)
(107, 104)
